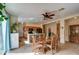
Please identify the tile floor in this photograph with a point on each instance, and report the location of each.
(66, 49)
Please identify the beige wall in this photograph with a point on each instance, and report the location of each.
(13, 19)
(52, 26)
(69, 22)
(66, 31)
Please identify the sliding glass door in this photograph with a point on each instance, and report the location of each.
(4, 37)
(1, 39)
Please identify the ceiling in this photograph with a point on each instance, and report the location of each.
(32, 11)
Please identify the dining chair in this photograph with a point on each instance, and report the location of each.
(52, 43)
(38, 45)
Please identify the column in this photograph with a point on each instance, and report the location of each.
(62, 28)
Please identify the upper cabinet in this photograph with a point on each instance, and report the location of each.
(74, 30)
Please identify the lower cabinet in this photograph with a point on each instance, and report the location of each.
(74, 38)
(14, 40)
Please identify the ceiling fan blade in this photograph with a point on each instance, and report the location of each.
(44, 15)
(52, 15)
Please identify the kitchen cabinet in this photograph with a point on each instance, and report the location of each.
(14, 40)
(74, 34)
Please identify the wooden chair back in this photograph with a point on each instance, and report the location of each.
(54, 42)
(36, 44)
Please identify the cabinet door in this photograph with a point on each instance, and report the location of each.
(14, 40)
(74, 33)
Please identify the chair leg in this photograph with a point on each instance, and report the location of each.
(52, 52)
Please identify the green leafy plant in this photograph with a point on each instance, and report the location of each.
(14, 27)
(2, 16)
(2, 6)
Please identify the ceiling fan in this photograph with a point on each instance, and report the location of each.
(49, 15)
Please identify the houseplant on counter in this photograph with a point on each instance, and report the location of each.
(15, 36)
(14, 27)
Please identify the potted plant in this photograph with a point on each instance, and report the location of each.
(14, 28)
